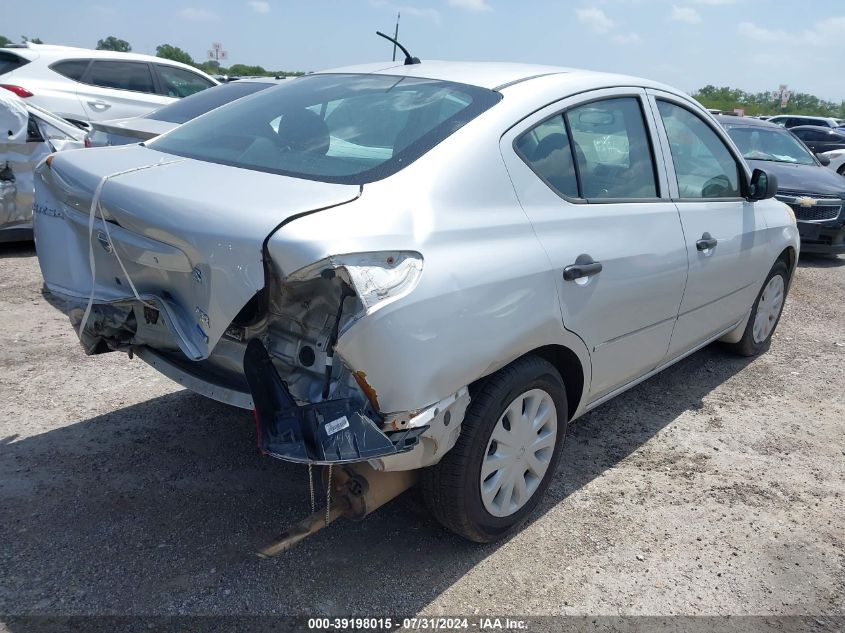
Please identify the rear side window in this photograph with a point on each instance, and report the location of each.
(10, 61)
(612, 149)
(71, 68)
(135, 76)
(547, 151)
(596, 150)
(704, 166)
(177, 82)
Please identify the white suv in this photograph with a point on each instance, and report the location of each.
(87, 85)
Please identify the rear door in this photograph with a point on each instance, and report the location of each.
(116, 89)
(586, 173)
(724, 233)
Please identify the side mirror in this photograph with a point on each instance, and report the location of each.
(824, 160)
(763, 185)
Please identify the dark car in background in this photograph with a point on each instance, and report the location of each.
(164, 119)
(815, 194)
(820, 139)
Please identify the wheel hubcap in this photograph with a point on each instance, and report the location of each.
(768, 309)
(518, 453)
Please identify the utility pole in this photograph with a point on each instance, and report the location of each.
(396, 35)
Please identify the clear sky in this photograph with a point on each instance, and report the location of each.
(750, 44)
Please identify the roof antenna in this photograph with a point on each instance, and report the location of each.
(408, 58)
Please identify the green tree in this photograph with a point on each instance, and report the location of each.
(728, 99)
(212, 67)
(4, 41)
(175, 53)
(112, 43)
(242, 70)
(34, 40)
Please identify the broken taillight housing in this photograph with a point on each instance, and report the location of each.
(23, 93)
(378, 278)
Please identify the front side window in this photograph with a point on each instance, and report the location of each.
(349, 129)
(704, 166)
(135, 76)
(612, 149)
(547, 151)
(178, 82)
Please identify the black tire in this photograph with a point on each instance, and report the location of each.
(451, 488)
(747, 346)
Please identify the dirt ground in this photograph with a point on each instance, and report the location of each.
(714, 488)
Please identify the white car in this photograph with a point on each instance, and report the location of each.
(87, 85)
(29, 134)
(794, 120)
(837, 160)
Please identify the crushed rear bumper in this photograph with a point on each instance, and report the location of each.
(328, 432)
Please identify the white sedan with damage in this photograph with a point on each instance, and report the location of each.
(28, 135)
(425, 267)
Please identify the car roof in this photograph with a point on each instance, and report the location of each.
(804, 116)
(491, 75)
(51, 52)
(747, 121)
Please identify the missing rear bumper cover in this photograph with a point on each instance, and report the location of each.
(327, 432)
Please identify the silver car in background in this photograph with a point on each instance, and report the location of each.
(430, 266)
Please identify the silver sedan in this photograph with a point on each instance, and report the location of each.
(427, 267)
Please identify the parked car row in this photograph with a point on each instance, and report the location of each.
(815, 194)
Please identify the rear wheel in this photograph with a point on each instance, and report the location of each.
(509, 447)
(765, 314)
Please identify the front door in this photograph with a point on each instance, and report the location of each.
(724, 233)
(585, 172)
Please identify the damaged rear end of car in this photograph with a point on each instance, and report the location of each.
(162, 252)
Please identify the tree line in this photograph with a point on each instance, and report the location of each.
(728, 99)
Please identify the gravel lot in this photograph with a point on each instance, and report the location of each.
(714, 488)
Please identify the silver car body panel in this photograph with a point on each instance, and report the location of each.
(126, 131)
(489, 243)
(19, 160)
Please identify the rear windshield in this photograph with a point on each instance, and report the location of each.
(10, 61)
(340, 128)
(206, 101)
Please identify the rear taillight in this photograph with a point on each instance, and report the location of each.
(23, 93)
(87, 141)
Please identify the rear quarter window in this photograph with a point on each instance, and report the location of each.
(71, 68)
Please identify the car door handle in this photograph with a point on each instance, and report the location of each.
(584, 266)
(99, 105)
(706, 242)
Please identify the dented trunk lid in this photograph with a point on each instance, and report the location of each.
(189, 234)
